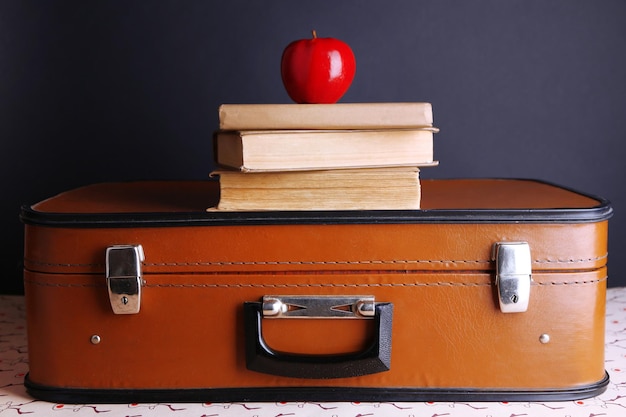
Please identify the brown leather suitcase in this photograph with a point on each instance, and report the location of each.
(495, 290)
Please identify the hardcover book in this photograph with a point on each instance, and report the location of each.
(343, 189)
(325, 116)
(278, 150)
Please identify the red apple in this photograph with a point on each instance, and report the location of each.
(317, 70)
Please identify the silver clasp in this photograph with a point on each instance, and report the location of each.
(124, 277)
(513, 275)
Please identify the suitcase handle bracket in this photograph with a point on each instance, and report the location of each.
(325, 306)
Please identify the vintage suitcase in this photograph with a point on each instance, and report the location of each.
(494, 291)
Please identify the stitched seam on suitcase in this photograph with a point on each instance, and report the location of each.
(357, 262)
(321, 285)
(63, 285)
(409, 284)
(369, 262)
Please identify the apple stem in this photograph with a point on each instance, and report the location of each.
(314, 34)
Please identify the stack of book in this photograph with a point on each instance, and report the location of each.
(344, 156)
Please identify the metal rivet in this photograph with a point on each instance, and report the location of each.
(274, 307)
(544, 338)
(95, 339)
(365, 308)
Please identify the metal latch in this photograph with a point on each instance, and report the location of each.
(124, 278)
(322, 306)
(513, 275)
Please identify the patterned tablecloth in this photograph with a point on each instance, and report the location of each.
(14, 400)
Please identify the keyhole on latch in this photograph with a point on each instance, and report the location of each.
(125, 300)
(514, 298)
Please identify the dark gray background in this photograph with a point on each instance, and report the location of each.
(96, 91)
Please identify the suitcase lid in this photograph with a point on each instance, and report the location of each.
(455, 232)
(184, 203)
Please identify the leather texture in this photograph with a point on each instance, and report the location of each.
(448, 331)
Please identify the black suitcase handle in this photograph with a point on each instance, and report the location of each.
(262, 358)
